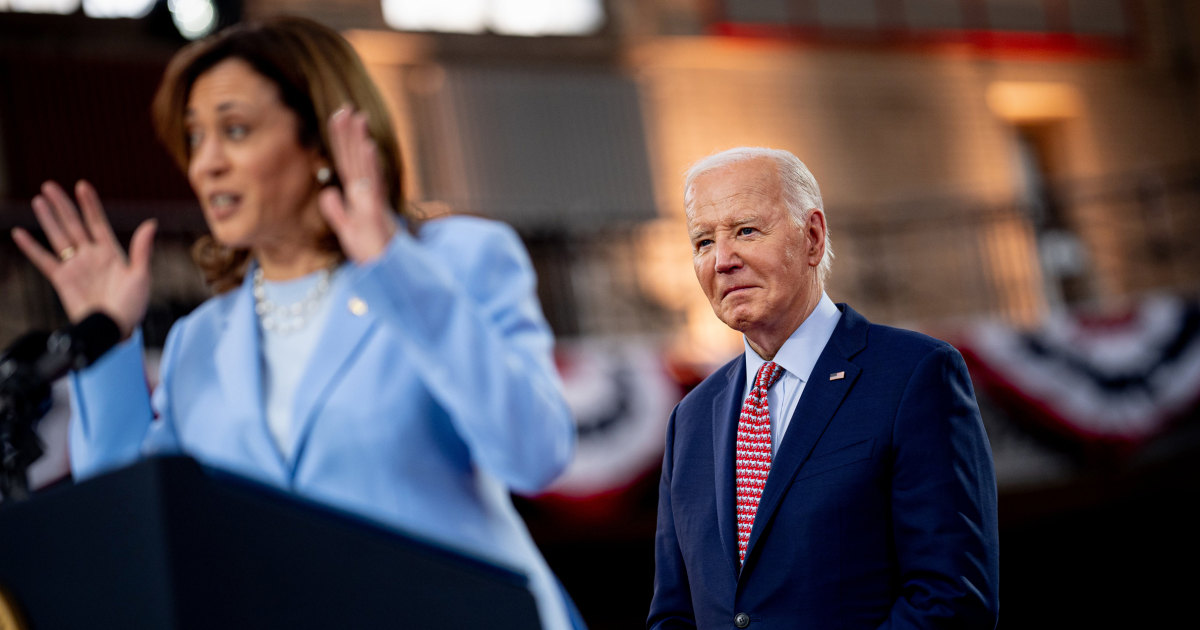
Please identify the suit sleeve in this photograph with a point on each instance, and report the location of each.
(112, 419)
(671, 606)
(463, 302)
(944, 502)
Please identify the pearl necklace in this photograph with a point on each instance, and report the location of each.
(288, 318)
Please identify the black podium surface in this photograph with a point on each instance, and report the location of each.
(167, 544)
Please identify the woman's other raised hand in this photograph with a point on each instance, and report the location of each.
(359, 213)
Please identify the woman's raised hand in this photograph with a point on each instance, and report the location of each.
(359, 213)
(88, 267)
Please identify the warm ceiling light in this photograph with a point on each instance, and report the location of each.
(1021, 101)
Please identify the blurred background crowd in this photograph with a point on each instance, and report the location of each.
(1018, 177)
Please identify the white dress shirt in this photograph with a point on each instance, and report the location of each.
(797, 357)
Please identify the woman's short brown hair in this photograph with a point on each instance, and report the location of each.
(316, 71)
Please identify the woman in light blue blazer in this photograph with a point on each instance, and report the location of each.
(396, 368)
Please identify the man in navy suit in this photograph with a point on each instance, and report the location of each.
(879, 502)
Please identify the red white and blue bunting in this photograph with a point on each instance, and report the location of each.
(621, 394)
(1115, 378)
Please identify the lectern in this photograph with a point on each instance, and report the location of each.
(168, 544)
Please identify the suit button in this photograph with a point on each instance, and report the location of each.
(741, 620)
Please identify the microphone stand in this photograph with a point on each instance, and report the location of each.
(28, 369)
(24, 399)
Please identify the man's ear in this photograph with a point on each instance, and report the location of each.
(815, 231)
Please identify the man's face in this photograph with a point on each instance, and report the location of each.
(755, 264)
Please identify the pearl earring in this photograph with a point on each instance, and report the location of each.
(324, 175)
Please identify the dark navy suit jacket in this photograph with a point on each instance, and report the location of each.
(879, 510)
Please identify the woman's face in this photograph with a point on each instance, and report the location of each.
(255, 182)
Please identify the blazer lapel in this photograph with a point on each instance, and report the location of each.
(239, 372)
(726, 408)
(814, 411)
(346, 329)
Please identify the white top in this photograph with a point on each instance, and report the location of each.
(285, 354)
(797, 357)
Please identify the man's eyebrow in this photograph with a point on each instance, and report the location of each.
(701, 230)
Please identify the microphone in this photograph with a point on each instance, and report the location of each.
(78, 346)
(28, 367)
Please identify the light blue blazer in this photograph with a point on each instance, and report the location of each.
(430, 394)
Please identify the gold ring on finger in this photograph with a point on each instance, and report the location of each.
(67, 253)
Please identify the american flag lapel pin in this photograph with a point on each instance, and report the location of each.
(837, 376)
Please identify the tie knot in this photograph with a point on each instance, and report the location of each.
(767, 375)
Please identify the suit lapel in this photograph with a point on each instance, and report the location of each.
(814, 412)
(239, 371)
(343, 333)
(727, 407)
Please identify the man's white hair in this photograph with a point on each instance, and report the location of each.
(800, 190)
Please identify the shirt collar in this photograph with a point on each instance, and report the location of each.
(799, 353)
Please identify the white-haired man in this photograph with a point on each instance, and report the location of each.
(835, 475)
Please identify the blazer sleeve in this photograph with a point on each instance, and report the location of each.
(944, 502)
(671, 605)
(112, 421)
(462, 301)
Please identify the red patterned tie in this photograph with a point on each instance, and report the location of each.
(753, 451)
